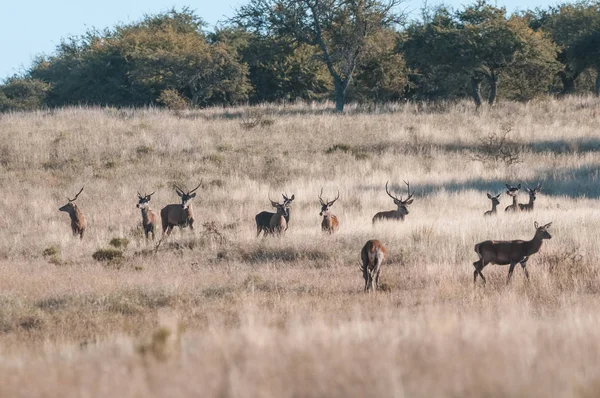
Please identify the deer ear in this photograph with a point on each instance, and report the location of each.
(519, 186)
(535, 224)
(489, 196)
(193, 195)
(507, 186)
(293, 196)
(179, 194)
(548, 225)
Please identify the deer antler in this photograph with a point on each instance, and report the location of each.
(333, 201)
(76, 196)
(409, 194)
(149, 196)
(321, 199)
(272, 202)
(179, 190)
(140, 196)
(192, 191)
(389, 194)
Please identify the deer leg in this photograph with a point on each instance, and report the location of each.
(524, 265)
(479, 264)
(510, 271)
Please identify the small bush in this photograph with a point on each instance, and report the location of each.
(144, 150)
(108, 254)
(339, 147)
(497, 148)
(254, 118)
(51, 251)
(119, 242)
(172, 100)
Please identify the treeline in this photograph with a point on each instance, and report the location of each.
(288, 50)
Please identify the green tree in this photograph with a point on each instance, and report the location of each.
(22, 94)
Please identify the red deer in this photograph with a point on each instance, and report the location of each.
(263, 219)
(330, 222)
(78, 223)
(395, 214)
(532, 193)
(511, 252)
(514, 193)
(495, 202)
(372, 256)
(149, 216)
(278, 223)
(179, 214)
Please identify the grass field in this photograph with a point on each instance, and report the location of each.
(240, 316)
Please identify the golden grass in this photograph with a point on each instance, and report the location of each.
(286, 316)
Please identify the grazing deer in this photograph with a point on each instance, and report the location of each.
(278, 223)
(263, 219)
(395, 214)
(149, 216)
(511, 252)
(514, 193)
(78, 223)
(179, 214)
(532, 193)
(372, 256)
(330, 222)
(495, 202)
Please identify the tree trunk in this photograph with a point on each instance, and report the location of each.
(568, 82)
(340, 94)
(493, 79)
(597, 91)
(475, 86)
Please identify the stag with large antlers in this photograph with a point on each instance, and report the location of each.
(78, 223)
(495, 202)
(179, 214)
(513, 192)
(149, 216)
(263, 219)
(532, 197)
(402, 210)
(511, 252)
(372, 256)
(330, 222)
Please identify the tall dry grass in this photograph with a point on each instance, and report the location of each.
(286, 316)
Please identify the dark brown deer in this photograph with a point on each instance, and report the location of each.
(78, 224)
(514, 193)
(532, 197)
(263, 219)
(179, 214)
(511, 252)
(278, 223)
(330, 222)
(372, 256)
(495, 202)
(149, 216)
(402, 210)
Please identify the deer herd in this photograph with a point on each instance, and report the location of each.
(373, 252)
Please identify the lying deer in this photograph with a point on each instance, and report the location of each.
(532, 193)
(514, 193)
(511, 252)
(179, 214)
(263, 219)
(78, 223)
(149, 216)
(402, 210)
(372, 256)
(495, 202)
(330, 222)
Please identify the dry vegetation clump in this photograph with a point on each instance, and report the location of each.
(285, 316)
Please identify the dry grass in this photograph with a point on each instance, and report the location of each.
(286, 316)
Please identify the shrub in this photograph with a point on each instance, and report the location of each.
(119, 242)
(172, 100)
(108, 254)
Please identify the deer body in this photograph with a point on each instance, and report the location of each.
(78, 223)
(511, 252)
(263, 219)
(495, 202)
(372, 256)
(514, 193)
(179, 214)
(149, 216)
(398, 214)
(330, 222)
(278, 224)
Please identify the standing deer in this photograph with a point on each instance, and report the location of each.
(263, 219)
(278, 223)
(330, 222)
(400, 212)
(495, 202)
(179, 214)
(372, 256)
(532, 193)
(149, 216)
(511, 252)
(514, 193)
(78, 223)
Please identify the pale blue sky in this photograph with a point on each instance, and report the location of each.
(31, 27)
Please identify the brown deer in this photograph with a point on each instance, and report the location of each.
(495, 202)
(402, 210)
(511, 252)
(372, 256)
(78, 223)
(263, 219)
(179, 214)
(532, 193)
(149, 216)
(278, 223)
(330, 222)
(514, 193)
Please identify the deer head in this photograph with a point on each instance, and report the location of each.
(282, 208)
(325, 205)
(495, 199)
(541, 231)
(533, 192)
(513, 191)
(70, 206)
(186, 197)
(144, 200)
(399, 202)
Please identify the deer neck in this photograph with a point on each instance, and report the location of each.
(515, 201)
(494, 207)
(534, 245)
(530, 204)
(75, 213)
(145, 215)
